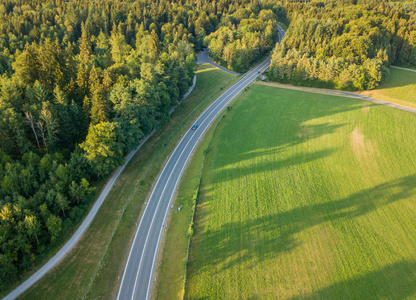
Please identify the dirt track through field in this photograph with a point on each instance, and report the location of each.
(338, 93)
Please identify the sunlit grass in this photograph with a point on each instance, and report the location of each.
(307, 196)
(170, 272)
(399, 88)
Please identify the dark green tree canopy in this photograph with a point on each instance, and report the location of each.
(82, 82)
(339, 45)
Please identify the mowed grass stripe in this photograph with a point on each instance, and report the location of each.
(307, 196)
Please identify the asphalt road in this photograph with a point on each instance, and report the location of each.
(280, 33)
(138, 274)
(203, 58)
(159, 202)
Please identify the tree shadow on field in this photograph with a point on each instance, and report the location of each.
(252, 240)
(229, 174)
(240, 158)
(396, 281)
(226, 173)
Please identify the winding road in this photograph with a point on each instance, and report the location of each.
(137, 278)
(138, 274)
(153, 218)
(203, 58)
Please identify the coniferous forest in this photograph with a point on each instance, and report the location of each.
(342, 45)
(82, 82)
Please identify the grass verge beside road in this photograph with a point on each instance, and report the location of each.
(283, 25)
(93, 269)
(306, 196)
(172, 263)
(170, 268)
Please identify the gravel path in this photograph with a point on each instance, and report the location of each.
(338, 93)
(407, 69)
(67, 247)
(138, 274)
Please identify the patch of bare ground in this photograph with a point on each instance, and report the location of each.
(365, 108)
(364, 150)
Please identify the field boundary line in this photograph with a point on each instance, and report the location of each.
(406, 69)
(227, 102)
(337, 93)
(212, 95)
(163, 166)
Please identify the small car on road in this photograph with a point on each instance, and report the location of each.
(194, 127)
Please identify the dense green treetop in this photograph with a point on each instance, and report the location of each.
(82, 82)
(344, 45)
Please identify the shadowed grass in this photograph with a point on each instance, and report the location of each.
(391, 280)
(283, 25)
(306, 196)
(171, 265)
(94, 267)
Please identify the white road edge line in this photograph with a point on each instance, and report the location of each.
(172, 195)
(261, 66)
(122, 280)
(51, 263)
(217, 104)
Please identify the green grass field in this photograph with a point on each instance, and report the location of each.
(94, 267)
(283, 25)
(399, 88)
(307, 196)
